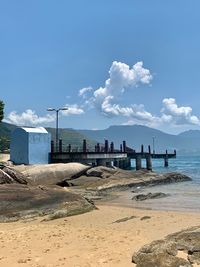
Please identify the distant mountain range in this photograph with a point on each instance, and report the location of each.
(136, 135)
(186, 142)
(69, 136)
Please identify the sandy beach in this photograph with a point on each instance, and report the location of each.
(90, 239)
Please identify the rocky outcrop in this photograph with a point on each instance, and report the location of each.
(101, 172)
(52, 174)
(164, 253)
(21, 202)
(118, 179)
(10, 176)
(142, 197)
(32, 190)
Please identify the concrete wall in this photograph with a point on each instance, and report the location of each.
(29, 146)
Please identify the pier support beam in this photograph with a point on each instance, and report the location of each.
(116, 163)
(166, 160)
(128, 163)
(142, 149)
(84, 146)
(69, 148)
(138, 162)
(104, 162)
(60, 146)
(52, 146)
(111, 147)
(149, 162)
(124, 146)
(106, 146)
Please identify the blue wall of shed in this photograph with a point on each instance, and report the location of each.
(19, 147)
(30, 147)
(39, 148)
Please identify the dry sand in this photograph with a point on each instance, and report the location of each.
(4, 157)
(90, 239)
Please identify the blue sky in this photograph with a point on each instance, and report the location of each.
(50, 50)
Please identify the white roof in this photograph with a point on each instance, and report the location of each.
(34, 130)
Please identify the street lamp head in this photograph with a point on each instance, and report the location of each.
(51, 109)
(64, 108)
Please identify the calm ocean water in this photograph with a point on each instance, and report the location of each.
(183, 196)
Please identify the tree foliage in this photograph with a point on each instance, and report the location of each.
(1, 110)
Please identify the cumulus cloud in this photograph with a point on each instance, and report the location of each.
(72, 110)
(28, 118)
(179, 115)
(171, 114)
(121, 78)
(133, 111)
(84, 91)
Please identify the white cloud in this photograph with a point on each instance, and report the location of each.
(134, 111)
(171, 114)
(122, 77)
(28, 118)
(84, 91)
(179, 115)
(72, 110)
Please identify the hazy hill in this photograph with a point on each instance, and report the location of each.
(69, 136)
(136, 135)
(73, 137)
(191, 134)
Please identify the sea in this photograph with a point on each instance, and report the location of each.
(182, 196)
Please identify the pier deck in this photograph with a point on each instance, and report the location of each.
(108, 156)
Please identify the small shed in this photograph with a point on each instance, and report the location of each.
(30, 145)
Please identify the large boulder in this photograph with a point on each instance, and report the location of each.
(52, 174)
(164, 253)
(21, 202)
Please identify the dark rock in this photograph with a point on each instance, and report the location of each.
(5, 178)
(145, 218)
(162, 260)
(101, 172)
(125, 219)
(65, 184)
(142, 197)
(16, 175)
(136, 190)
(164, 252)
(175, 177)
(21, 202)
(95, 173)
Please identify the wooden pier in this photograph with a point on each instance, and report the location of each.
(107, 155)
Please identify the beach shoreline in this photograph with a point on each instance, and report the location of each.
(105, 237)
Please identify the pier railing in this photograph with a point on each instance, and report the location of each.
(107, 154)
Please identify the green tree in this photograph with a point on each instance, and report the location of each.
(1, 110)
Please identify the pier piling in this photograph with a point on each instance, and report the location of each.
(166, 160)
(60, 146)
(138, 161)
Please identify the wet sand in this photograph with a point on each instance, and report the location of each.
(90, 239)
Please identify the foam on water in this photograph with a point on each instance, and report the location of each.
(183, 196)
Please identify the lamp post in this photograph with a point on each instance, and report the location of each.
(57, 111)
